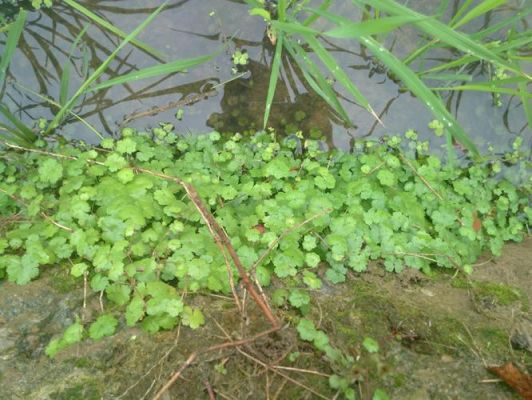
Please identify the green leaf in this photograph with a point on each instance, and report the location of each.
(22, 270)
(79, 269)
(115, 162)
(312, 259)
(134, 310)
(371, 345)
(73, 334)
(307, 330)
(126, 146)
(299, 298)
(193, 317)
(274, 77)
(311, 280)
(105, 325)
(50, 171)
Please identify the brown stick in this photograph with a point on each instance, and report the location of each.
(220, 236)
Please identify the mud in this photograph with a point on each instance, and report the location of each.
(436, 336)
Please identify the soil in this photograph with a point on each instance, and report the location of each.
(436, 335)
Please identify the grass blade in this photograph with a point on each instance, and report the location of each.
(52, 102)
(443, 33)
(156, 70)
(22, 131)
(70, 103)
(12, 135)
(477, 11)
(274, 76)
(110, 27)
(338, 73)
(315, 78)
(494, 86)
(369, 27)
(449, 77)
(416, 86)
(11, 44)
(323, 7)
(65, 75)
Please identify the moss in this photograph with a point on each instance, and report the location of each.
(460, 283)
(63, 282)
(498, 292)
(494, 340)
(503, 294)
(87, 390)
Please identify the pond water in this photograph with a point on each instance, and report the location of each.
(188, 29)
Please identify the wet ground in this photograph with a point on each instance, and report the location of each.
(436, 335)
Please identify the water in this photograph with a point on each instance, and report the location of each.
(188, 29)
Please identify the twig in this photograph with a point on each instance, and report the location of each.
(271, 368)
(174, 345)
(42, 213)
(221, 237)
(285, 233)
(305, 371)
(210, 392)
(287, 377)
(427, 184)
(192, 357)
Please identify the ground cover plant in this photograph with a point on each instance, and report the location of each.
(146, 218)
(290, 209)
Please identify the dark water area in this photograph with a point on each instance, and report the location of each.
(187, 29)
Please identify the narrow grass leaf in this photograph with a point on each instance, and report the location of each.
(274, 76)
(11, 43)
(110, 27)
(493, 28)
(315, 79)
(449, 77)
(294, 28)
(21, 130)
(55, 104)
(10, 134)
(369, 27)
(416, 86)
(156, 70)
(324, 6)
(442, 32)
(477, 11)
(494, 86)
(65, 75)
(338, 73)
(70, 103)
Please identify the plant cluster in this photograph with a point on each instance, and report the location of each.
(291, 210)
(290, 28)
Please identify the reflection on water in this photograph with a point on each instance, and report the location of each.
(192, 28)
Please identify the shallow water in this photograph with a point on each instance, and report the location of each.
(192, 28)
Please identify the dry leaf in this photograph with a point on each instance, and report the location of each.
(519, 381)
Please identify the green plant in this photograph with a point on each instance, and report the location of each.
(65, 104)
(101, 213)
(289, 31)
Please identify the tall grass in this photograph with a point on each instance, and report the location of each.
(66, 103)
(381, 17)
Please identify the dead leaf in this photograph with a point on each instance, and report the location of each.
(517, 380)
(477, 223)
(260, 228)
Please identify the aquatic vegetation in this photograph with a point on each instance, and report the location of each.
(292, 211)
(291, 33)
(65, 104)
